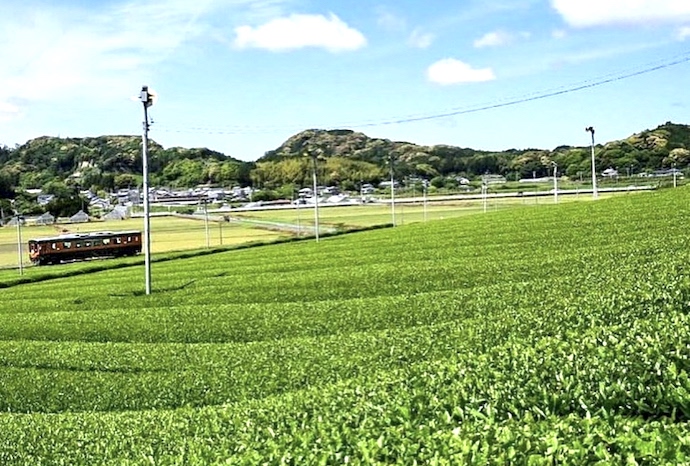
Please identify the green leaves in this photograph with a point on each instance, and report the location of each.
(551, 336)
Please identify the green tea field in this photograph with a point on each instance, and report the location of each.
(551, 335)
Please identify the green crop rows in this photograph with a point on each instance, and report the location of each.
(558, 335)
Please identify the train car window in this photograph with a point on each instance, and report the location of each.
(136, 238)
(79, 244)
(53, 245)
(129, 239)
(97, 242)
(118, 240)
(87, 244)
(67, 244)
(106, 241)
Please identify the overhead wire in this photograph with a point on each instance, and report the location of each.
(531, 97)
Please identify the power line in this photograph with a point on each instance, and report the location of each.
(539, 95)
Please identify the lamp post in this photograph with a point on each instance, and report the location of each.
(484, 194)
(595, 194)
(555, 182)
(147, 98)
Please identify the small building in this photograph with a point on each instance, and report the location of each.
(610, 173)
(79, 217)
(99, 203)
(118, 213)
(13, 221)
(493, 179)
(44, 199)
(45, 219)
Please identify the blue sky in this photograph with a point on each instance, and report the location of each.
(241, 76)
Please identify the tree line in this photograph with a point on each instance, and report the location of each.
(343, 157)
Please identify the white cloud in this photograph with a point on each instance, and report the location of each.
(683, 33)
(299, 31)
(451, 71)
(63, 53)
(421, 40)
(558, 34)
(587, 13)
(8, 111)
(103, 53)
(390, 21)
(499, 38)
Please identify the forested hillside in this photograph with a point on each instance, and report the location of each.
(352, 156)
(112, 162)
(344, 157)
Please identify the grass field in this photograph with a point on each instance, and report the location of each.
(170, 233)
(558, 335)
(374, 214)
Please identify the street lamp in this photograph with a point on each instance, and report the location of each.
(147, 98)
(595, 194)
(555, 182)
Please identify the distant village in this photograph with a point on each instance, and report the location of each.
(123, 203)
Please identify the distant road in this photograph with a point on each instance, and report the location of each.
(514, 194)
(449, 197)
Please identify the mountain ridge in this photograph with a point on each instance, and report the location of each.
(344, 156)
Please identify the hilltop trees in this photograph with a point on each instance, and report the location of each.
(348, 158)
(111, 162)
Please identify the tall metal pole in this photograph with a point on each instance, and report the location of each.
(484, 195)
(146, 100)
(595, 194)
(675, 184)
(392, 191)
(19, 245)
(18, 218)
(208, 234)
(316, 197)
(299, 217)
(425, 185)
(555, 183)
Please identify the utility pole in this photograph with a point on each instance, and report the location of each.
(675, 184)
(390, 162)
(595, 194)
(313, 154)
(18, 218)
(555, 182)
(208, 235)
(147, 98)
(425, 186)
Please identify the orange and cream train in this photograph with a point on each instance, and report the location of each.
(79, 246)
